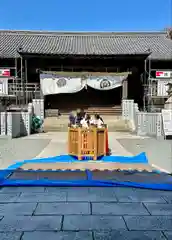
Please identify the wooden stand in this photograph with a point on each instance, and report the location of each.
(89, 143)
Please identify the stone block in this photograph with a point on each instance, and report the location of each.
(92, 195)
(22, 190)
(11, 236)
(149, 223)
(17, 209)
(168, 234)
(76, 223)
(34, 223)
(57, 235)
(42, 197)
(65, 208)
(151, 197)
(65, 189)
(8, 197)
(168, 197)
(159, 209)
(129, 235)
(119, 209)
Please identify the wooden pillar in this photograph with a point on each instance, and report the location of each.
(125, 89)
(16, 79)
(26, 83)
(22, 82)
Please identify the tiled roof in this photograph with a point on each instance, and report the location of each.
(85, 43)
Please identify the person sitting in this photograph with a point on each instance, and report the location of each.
(82, 113)
(85, 122)
(98, 120)
(78, 118)
(92, 120)
(72, 119)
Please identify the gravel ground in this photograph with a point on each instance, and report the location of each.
(20, 149)
(159, 152)
(3, 141)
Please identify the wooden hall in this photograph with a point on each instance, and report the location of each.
(103, 55)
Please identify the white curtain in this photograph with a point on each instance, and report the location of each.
(105, 82)
(52, 84)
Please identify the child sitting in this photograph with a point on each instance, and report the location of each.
(98, 121)
(85, 122)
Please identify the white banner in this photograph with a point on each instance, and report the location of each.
(53, 84)
(3, 86)
(163, 87)
(167, 121)
(105, 82)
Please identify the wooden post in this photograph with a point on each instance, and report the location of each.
(69, 140)
(26, 83)
(95, 143)
(79, 143)
(125, 89)
(105, 141)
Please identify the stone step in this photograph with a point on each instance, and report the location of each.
(55, 125)
(104, 111)
(64, 119)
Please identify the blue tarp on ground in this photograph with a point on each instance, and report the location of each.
(162, 182)
(141, 158)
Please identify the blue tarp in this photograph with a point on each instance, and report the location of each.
(141, 158)
(164, 182)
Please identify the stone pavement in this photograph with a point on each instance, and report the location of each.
(12, 150)
(79, 213)
(48, 145)
(159, 152)
(58, 143)
(84, 213)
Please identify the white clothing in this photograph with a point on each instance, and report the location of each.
(98, 122)
(84, 123)
(92, 121)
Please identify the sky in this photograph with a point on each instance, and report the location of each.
(86, 15)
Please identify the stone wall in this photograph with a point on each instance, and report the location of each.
(15, 124)
(143, 123)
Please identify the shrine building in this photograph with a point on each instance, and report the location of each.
(89, 70)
